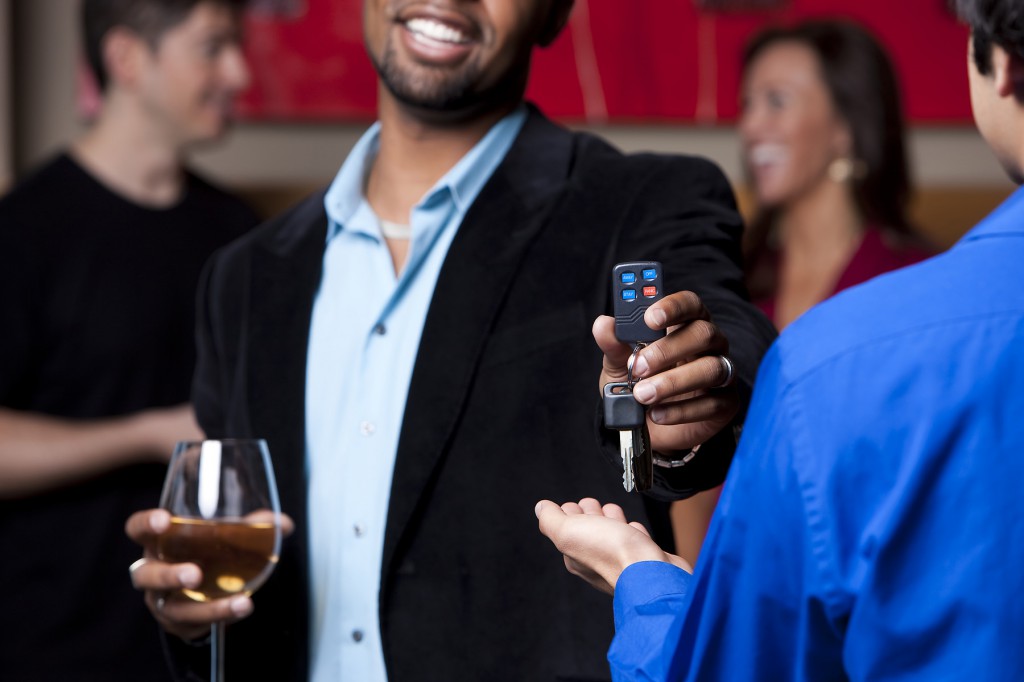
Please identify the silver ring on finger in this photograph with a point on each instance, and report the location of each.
(160, 602)
(729, 369)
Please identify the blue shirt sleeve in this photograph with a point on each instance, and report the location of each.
(649, 603)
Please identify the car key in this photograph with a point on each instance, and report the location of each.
(624, 414)
(635, 287)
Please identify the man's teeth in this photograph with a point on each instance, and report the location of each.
(767, 153)
(435, 30)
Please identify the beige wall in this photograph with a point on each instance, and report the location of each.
(261, 155)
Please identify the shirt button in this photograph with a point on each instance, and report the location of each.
(367, 428)
(380, 329)
(357, 636)
(359, 530)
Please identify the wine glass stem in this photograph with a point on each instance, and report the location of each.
(217, 653)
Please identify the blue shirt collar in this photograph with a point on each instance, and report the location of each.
(1001, 221)
(463, 182)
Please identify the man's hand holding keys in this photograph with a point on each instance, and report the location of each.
(685, 378)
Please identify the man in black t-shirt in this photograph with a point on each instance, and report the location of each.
(100, 253)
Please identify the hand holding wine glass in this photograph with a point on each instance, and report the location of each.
(214, 541)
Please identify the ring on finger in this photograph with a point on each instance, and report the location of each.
(729, 369)
(160, 602)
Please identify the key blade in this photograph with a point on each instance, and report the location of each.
(626, 441)
(643, 458)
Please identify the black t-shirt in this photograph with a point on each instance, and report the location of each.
(97, 307)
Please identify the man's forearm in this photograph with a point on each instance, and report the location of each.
(40, 452)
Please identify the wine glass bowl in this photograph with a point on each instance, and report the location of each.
(236, 557)
(225, 518)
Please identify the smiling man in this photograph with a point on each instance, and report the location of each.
(100, 252)
(417, 345)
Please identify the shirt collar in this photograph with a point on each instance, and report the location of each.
(1002, 221)
(463, 182)
(345, 195)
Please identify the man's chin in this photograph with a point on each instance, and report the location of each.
(211, 134)
(428, 91)
(432, 102)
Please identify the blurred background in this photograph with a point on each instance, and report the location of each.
(658, 75)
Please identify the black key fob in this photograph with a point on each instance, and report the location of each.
(635, 286)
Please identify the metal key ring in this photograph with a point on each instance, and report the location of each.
(629, 364)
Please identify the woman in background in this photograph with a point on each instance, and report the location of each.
(823, 147)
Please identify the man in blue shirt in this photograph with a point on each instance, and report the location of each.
(416, 346)
(871, 527)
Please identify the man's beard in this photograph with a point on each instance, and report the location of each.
(438, 90)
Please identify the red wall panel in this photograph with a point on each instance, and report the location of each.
(618, 60)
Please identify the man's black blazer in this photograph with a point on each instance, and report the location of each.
(501, 409)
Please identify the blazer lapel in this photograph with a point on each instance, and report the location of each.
(487, 251)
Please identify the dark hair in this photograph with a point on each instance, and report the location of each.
(150, 19)
(864, 90)
(992, 22)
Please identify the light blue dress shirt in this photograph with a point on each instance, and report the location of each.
(363, 340)
(872, 524)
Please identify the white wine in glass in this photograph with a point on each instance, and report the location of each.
(225, 518)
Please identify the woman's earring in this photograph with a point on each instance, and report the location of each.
(845, 169)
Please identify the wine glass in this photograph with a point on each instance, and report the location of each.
(225, 518)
